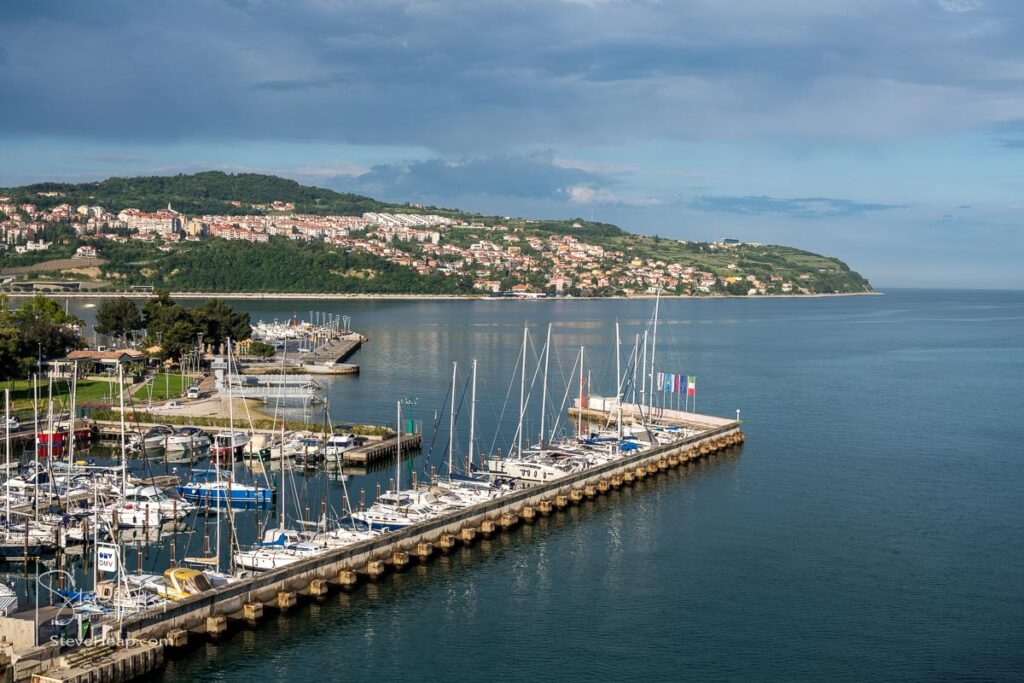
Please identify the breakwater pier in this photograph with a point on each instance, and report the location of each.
(218, 612)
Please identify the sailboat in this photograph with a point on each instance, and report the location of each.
(281, 546)
(24, 539)
(531, 466)
(217, 487)
(125, 512)
(463, 490)
(396, 509)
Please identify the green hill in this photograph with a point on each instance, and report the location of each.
(598, 259)
(210, 192)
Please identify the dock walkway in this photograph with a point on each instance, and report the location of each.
(330, 358)
(375, 451)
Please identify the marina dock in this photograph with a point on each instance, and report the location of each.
(213, 614)
(287, 388)
(330, 358)
(374, 452)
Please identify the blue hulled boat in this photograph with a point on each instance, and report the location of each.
(212, 488)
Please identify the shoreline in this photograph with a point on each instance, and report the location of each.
(285, 296)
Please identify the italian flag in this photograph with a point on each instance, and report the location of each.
(691, 385)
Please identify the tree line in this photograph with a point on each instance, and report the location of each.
(282, 265)
(209, 192)
(40, 329)
(174, 328)
(37, 330)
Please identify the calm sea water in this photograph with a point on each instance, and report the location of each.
(870, 528)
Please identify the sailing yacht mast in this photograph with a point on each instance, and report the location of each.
(643, 375)
(654, 350)
(49, 423)
(284, 487)
(451, 424)
(636, 357)
(544, 389)
(579, 422)
(472, 422)
(124, 452)
(398, 448)
(7, 450)
(522, 392)
(35, 417)
(71, 421)
(231, 447)
(618, 380)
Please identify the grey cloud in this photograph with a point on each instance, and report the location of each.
(521, 176)
(483, 77)
(1009, 134)
(799, 207)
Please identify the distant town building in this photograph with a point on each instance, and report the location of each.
(165, 221)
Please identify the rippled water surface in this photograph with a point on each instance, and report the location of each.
(870, 528)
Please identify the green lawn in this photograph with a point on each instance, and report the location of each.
(89, 391)
(163, 387)
(93, 391)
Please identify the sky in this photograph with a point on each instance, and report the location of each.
(888, 133)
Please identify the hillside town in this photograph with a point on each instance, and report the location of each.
(509, 260)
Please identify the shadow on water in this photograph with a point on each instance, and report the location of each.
(348, 613)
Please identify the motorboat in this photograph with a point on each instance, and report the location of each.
(337, 444)
(182, 582)
(229, 444)
(298, 444)
(153, 497)
(131, 514)
(57, 439)
(394, 510)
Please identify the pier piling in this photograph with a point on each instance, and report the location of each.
(252, 611)
(318, 588)
(347, 578)
(286, 600)
(176, 638)
(216, 626)
(374, 569)
(399, 559)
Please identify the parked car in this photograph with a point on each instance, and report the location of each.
(13, 424)
(193, 392)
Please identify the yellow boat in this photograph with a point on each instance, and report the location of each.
(182, 582)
